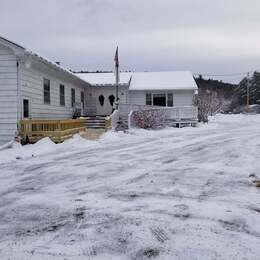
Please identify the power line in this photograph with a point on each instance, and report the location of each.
(226, 75)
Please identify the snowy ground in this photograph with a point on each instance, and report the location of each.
(169, 194)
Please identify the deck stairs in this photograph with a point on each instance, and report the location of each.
(97, 122)
(93, 134)
(95, 127)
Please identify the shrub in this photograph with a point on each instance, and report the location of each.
(150, 119)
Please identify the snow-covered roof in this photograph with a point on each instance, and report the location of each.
(41, 59)
(166, 80)
(104, 78)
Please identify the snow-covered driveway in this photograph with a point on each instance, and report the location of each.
(168, 194)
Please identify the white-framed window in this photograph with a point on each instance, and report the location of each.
(26, 107)
(62, 95)
(73, 97)
(149, 101)
(169, 100)
(46, 91)
(159, 99)
(82, 99)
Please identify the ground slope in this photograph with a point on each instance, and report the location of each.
(168, 194)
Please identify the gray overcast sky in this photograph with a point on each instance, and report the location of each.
(213, 37)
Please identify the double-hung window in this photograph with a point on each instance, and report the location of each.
(73, 99)
(82, 99)
(148, 99)
(62, 95)
(169, 100)
(46, 91)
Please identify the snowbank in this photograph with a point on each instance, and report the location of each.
(18, 151)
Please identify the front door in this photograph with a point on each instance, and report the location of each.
(26, 108)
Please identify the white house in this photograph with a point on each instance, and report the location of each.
(32, 87)
(166, 89)
(35, 88)
(102, 92)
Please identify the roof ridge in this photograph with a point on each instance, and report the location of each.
(44, 60)
(17, 45)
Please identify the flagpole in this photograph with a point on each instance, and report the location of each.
(117, 83)
(117, 76)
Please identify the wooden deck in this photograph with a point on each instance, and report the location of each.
(58, 130)
(32, 131)
(182, 122)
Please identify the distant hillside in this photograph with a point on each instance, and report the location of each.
(224, 90)
(215, 96)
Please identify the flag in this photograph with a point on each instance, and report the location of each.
(116, 60)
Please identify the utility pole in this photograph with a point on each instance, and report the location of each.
(248, 91)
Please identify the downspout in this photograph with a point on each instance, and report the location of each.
(18, 96)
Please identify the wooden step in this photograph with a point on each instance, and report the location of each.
(93, 134)
(96, 122)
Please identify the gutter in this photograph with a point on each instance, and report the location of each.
(20, 51)
(18, 95)
(56, 67)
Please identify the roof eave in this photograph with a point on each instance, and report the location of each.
(56, 67)
(162, 89)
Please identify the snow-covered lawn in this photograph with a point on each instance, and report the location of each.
(168, 194)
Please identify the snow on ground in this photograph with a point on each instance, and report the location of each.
(168, 194)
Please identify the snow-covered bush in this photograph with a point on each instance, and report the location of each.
(150, 119)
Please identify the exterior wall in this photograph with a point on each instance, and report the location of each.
(8, 95)
(31, 80)
(106, 91)
(180, 97)
(137, 97)
(183, 98)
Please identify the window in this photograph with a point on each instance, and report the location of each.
(169, 100)
(82, 98)
(62, 95)
(25, 108)
(46, 91)
(72, 97)
(159, 100)
(111, 100)
(101, 99)
(148, 99)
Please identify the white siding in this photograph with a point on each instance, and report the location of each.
(183, 98)
(180, 97)
(8, 95)
(137, 97)
(32, 88)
